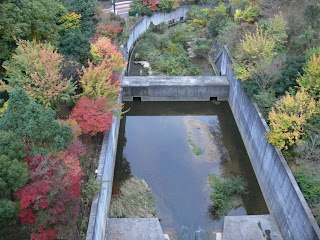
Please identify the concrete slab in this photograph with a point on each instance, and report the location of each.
(134, 229)
(252, 227)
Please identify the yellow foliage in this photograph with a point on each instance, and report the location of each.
(3, 108)
(199, 23)
(71, 20)
(256, 50)
(310, 80)
(288, 117)
(285, 129)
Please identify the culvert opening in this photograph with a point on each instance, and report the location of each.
(137, 99)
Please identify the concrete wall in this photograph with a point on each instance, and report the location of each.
(175, 88)
(101, 203)
(281, 192)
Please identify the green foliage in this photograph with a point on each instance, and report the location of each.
(13, 175)
(134, 200)
(3, 108)
(227, 193)
(309, 183)
(292, 67)
(202, 47)
(307, 39)
(265, 101)
(24, 19)
(277, 29)
(76, 44)
(249, 14)
(87, 9)
(12, 146)
(37, 126)
(167, 53)
(312, 15)
(136, 7)
(8, 209)
(196, 150)
(199, 17)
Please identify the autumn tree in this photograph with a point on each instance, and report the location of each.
(36, 67)
(104, 50)
(92, 115)
(13, 172)
(98, 82)
(288, 117)
(38, 127)
(24, 19)
(254, 56)
(50, 201)
(310, 80)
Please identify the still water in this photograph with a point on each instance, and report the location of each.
(153, 145)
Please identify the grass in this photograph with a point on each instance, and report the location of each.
(196, 150)
(134, 200)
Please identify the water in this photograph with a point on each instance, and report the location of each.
(153, 145)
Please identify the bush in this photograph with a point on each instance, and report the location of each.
(265, 101)
(249, 14)
(292, 67)
(227, 193)
(202, 48)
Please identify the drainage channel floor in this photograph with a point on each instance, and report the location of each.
(154, 145)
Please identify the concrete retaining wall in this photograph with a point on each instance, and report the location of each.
(279, 187)
(175, 88)
(101, 203)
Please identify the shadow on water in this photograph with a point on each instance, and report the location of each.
(153, 145)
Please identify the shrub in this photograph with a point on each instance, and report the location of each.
(202, 48)
(249, 14)
(265, 101)
(227, 193)
(93, 116)
(292, 67)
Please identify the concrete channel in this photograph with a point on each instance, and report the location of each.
(288, 208)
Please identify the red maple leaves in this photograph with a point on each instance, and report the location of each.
(51, 199)
(92, 115)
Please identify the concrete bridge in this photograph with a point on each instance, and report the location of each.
(175, 88)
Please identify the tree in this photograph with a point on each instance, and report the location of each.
(50, 201)
(87, 9)
(104, 50)
(76, 44)
(288, 117)
(98, 82)
(93, 116)
(310, 80)
(36, 67)
(37, 126)
(24, 19)
(13, 172)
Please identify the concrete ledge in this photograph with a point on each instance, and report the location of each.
(134, 229)
(175, 88)
(255, 227)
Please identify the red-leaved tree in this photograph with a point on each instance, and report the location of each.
(92, 115)
(50, 201)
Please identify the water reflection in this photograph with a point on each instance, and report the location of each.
(153, 146)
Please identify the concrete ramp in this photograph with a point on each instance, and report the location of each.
(134, 229)
(251, 227)
(175, 88)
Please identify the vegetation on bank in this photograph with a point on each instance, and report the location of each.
(135, 200)
(59, 85)
(228, 193)
(276, 48)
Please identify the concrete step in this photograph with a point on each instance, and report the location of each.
(134, 229)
